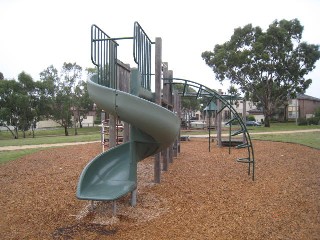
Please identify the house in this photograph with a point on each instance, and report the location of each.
(257, 113)
(87, 121)
(250, 108)
(303, 106)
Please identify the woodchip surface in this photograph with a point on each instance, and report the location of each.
(203, 195)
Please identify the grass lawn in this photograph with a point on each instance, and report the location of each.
(311, 139)
(93, 134)
(290, 126)
(50, 136)
(50, 139)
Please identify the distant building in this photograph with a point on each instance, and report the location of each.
(87, 121)
(251, 109)
(303, 106)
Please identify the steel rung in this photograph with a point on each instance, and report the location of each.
(237, 132)
(244, 160)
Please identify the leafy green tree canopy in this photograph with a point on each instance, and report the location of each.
(18, 100)
(271, 66)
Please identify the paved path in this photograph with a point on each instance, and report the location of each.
(11, 148)
(259, 133)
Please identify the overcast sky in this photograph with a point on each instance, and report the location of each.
(35, 34)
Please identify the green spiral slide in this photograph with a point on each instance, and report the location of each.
(113, 173)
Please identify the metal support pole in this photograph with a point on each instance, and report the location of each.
(114, 207)
(133, 201)
(92, 205)
(219, 120)
(103, 140)
(244, 117)
(209, 117)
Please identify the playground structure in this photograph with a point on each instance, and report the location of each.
(153, 116)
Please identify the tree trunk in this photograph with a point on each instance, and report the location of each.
(267, 104)
(80, 121)
(66, 133)
(75, 128)
(267, 120)
(12, 132)
(267, 116)
(32, 128)
(16, 136)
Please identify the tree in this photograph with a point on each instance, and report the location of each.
(47, 88)
(27, 101)
(81, 102)
(71, 73)
(61, 93)
(8, 115)
(18, 102)
(270, 65)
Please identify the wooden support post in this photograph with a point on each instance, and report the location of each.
(177, 100)
(165, 87)
(165, 103)
(158, 66)
(171, 103)
(124, 73)
(165, 159)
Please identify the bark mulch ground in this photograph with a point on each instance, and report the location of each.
(203, 195)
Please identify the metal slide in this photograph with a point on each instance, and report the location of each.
(113, 173)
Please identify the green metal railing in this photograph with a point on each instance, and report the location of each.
(142, 54)
(104, 56)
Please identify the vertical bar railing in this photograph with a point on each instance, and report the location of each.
(142, 54)
(104, 57)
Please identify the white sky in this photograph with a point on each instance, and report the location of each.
(37, 33)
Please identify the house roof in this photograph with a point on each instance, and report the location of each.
(307, 97)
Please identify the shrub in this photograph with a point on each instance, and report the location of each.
(314, 121)
(317, 112)
(302, 122)
(251, 118)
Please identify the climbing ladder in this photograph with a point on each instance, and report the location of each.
(199, 90)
